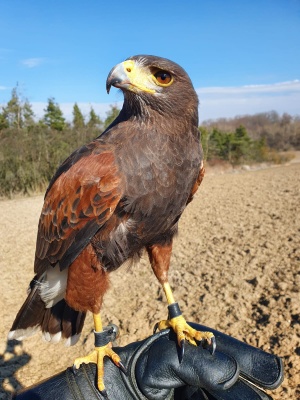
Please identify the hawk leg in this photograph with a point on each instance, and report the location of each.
(159, 256)
(179, 325)
(102, 349)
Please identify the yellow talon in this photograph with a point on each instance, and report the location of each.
(96, 357)
(103, 348)
(184, 331)
(179, 325)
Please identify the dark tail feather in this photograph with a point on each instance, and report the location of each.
(30, 316)
(59, 321)
(62, 322)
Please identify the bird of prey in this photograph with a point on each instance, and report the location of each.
(111, 199)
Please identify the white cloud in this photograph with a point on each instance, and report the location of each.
(3, 88)
(32, 62)
(291, 86)
(218, 102)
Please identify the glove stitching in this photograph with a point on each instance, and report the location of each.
(270, 386)
(73, 387)
(258, 390)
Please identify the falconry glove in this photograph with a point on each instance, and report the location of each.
(236, 371)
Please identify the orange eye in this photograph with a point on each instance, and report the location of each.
(163, 77)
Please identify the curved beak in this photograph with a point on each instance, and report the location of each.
(117, 77)
(130, 76)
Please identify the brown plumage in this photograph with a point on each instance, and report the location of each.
(120, 194)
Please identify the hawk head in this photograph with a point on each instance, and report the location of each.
(150, 82)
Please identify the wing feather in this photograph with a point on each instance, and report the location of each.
(78, 202)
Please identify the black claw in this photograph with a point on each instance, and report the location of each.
(155, 327)
(104, 393)
(74, 369)
(122, 368)
(210, 345)
(213, 345)
(181, 350)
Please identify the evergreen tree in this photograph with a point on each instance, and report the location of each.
(219, 145)
(78, 120)
(240, 144)
(28, 114)
(3, 119)
(53, 116)
(111, 115)
(13, 110)
(94, 120)
(17, 113)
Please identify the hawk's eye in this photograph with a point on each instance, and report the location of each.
(163, 77)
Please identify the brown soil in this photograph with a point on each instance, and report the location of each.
(235, 268)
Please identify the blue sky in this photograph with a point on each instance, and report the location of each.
(242, 56)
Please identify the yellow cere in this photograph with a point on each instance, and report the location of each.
(138, 77)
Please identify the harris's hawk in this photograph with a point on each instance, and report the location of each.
(112, 198)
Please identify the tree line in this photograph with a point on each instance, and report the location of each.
(31, 150)
(251, 138)
(279, 132)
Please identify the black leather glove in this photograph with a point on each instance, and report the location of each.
(154, 373)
